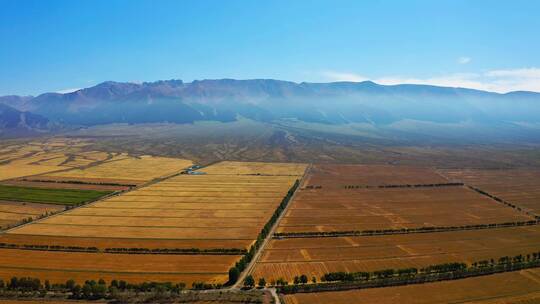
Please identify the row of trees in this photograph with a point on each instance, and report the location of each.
(404, 186)
(395, 277)
(92, 290)
(500, 200)
(235, 271)
(310, 234)
(191, 251)
(78, 182)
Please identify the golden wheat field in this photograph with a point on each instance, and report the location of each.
(183, 208)
(14, 212)
(183, 211)
(520, 287)
(142, 168)
(62, 266)
(286, 258)
(38, 157)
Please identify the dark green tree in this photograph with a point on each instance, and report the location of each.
(249, 281)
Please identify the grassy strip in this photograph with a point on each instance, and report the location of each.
(312, 234)
(396, 277)
(49, 196)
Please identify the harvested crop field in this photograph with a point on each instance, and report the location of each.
(392, 208)
(519, 287)
(130, 168)
(225, 212)
(53, 196)
(255, 168)
(61, 266)
(287, 258)
(107, 242)
(519, 186)
(338, 176)
(38, 157)
(14, 212)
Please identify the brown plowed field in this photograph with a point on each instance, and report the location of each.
(520, 187)
(287, 258)
(520, 287)
(254, 168)
(61, 266)
(392, 208)
(337, 176)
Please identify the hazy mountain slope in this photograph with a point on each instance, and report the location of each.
(267, 100)
(16, 122)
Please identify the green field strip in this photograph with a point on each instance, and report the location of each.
(48, 196)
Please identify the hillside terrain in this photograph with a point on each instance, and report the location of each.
(392, 113)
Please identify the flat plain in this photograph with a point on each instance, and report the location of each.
(204, 211)
(519, 287)
(287, 258)
(520, 187)
(369, 197)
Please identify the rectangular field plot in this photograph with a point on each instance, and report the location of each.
(14, 212)
(255, 168)
(61, 266)
(338, 176)
(287, 258)
(392, 208)
(123, 169)
(53, 196)
(185, 211)
(519, 287)
(519, 187)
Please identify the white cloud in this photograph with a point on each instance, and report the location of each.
(521, 73)
(464, 60)
(502, 81)
(65, 91)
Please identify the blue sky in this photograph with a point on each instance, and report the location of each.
(63, 45)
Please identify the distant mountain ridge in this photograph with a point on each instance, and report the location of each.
(267, 100)
(18, 122)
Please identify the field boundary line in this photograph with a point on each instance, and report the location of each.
(367, 233)
(504, 202)
(249, 268)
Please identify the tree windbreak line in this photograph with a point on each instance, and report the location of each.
(402, 186)
(187, 251)
(500, 200)
(235, 271)
(394, 277)
(310, 234)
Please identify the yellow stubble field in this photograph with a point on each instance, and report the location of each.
(519, 287)
(286, 258)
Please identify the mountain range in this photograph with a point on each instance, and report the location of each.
(267, 100)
